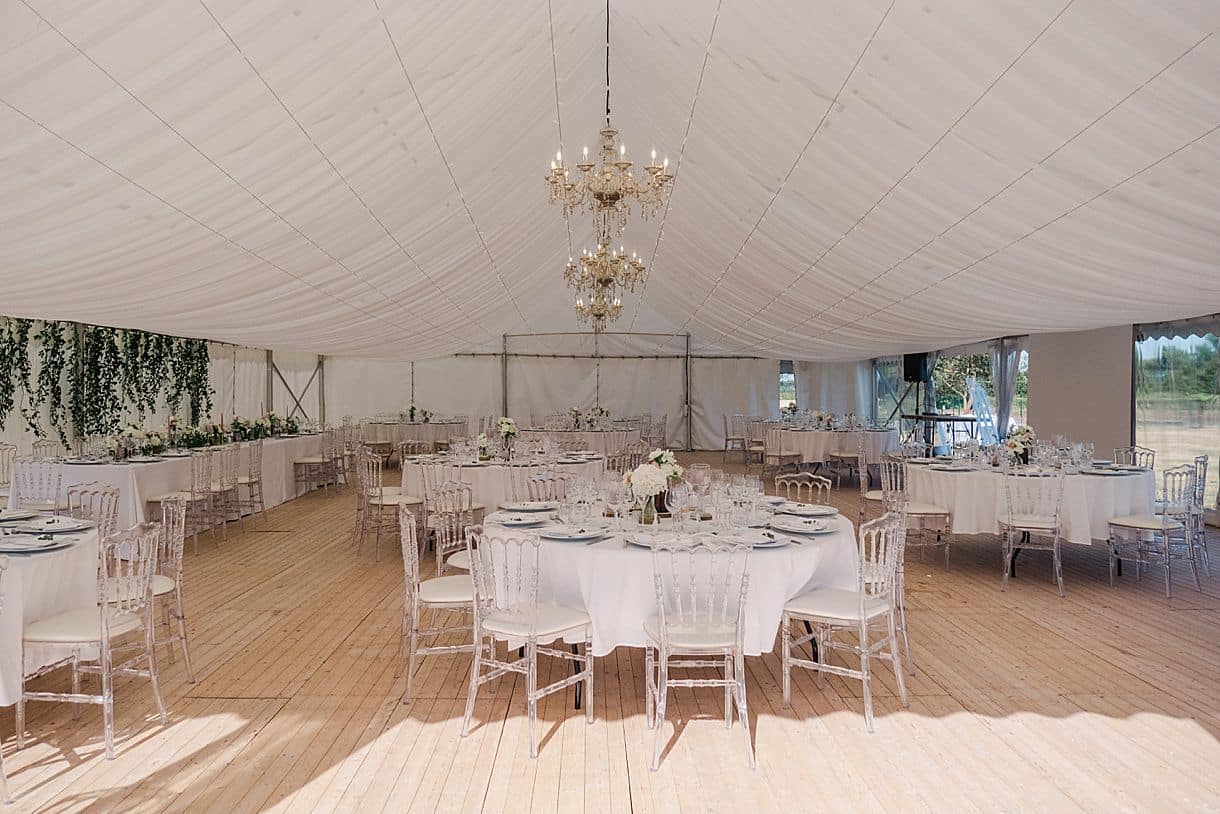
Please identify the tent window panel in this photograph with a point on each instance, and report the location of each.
(787, 385)
(1177, 401)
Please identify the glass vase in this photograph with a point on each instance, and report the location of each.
(648, 511)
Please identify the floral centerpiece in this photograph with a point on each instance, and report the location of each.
(508, 433)
(821, 419)
(482, 443)
(790, 410)
(292, 425)
(427, 415)
(242, 428)
(214, 433)
(153, 443)
(651, 479)
(1020, 442)
(275, 424)
(575, 416)
(192, 437)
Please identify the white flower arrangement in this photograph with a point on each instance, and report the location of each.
(647, 480)
(667, 462)
(507, 428)
(1021, 438)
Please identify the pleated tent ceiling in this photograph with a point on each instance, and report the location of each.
(853, 179)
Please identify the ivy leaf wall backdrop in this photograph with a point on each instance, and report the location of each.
(89, 379)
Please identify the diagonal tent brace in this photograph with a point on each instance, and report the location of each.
(297, 407)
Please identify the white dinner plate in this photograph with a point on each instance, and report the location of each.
(774, 500)
(17, 514)
(921, 461)
(756, 538)
(574, 533)
(85, 461)
(50, 525)
(529, 506)
(1109, 472)
(807, 510)
(951, 468)
(145, 459)
(179, 453)
(651, 540)
(512, 519)
(800, 525)
(1102, 462)
(32, 544)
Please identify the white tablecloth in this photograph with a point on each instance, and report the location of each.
(816, 446)
(37, 586)
(596, 440)
(379, 432)
(490, 484)
(612, 581)
(977, 502)
(139, 482)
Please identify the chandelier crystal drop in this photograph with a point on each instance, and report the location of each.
(609, 189)
(600, 278)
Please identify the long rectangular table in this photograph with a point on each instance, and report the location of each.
(138, 482)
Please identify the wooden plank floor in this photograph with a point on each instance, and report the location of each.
(1106, 700)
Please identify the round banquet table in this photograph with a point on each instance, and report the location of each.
(612, 581)
(490, 483)
(595, 440)
(429, 432)
(816, 446)
(37, 586)
(976, 499)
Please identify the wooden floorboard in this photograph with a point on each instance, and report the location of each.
(1105, 700)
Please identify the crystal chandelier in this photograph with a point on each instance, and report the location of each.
(600, 279)
(609, 189)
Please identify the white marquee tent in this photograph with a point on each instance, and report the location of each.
(365, 180)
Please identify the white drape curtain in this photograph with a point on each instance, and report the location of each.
(296, 371)
(1005, 356)
(653, 386)
(721, 387)
(458, 385)
(834, 387)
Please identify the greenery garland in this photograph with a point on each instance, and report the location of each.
(88, 373)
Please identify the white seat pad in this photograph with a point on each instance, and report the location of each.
(81, 625)
(42, 505)
(874, 494)
(691, 637)
(1148, 522)
(925, 508)
(171, 496)
(161, 585)
(459, 559)
(1029, 521)
(395, 500)
(836, 605)
(454, 590)
(246, 480)
(547, 621)
(310, 461)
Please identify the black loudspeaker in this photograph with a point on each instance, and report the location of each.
(915, 368)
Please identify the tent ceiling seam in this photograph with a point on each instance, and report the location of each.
(325, 158)
(796, 163)
(690, 118)
(1030, 233)
(197, 222)
(1001, 191)
(448, 167)
(885, 196)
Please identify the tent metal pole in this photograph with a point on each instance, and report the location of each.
(322, 390)
(686, 385)
(504, 378)
(268, 404)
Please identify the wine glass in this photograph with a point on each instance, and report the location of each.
(679, 494)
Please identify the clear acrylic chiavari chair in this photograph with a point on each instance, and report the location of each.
(806, 487)
(226, 502)
(548, 485)
(454, 512)
(167, 583)
(4, 796)
(701, 588)
(871, 608)
(438, 595)
(39, 484)
(519, 478)
(251, 501)
(378, 509)
(504, 571)
(46, 448)
(1159, 539)
(1035, 502)
(8, 454)
(126, 564)
(95, 501)
(1135, 456)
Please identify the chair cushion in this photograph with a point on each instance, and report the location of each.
(454, 590)
(81, 625)
(42, 505)
(1147, 522)
(313, 460)
(171, 496)
(1177, 509)
(694, 638)
(161, 585)
(547, 621)
(459, 559)
(246, 480)
(926, 508)
(835, 605)
(395, 500)
(874, 494)
(1029, 521)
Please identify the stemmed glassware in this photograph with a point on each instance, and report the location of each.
(679, 494)
(618, 494)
